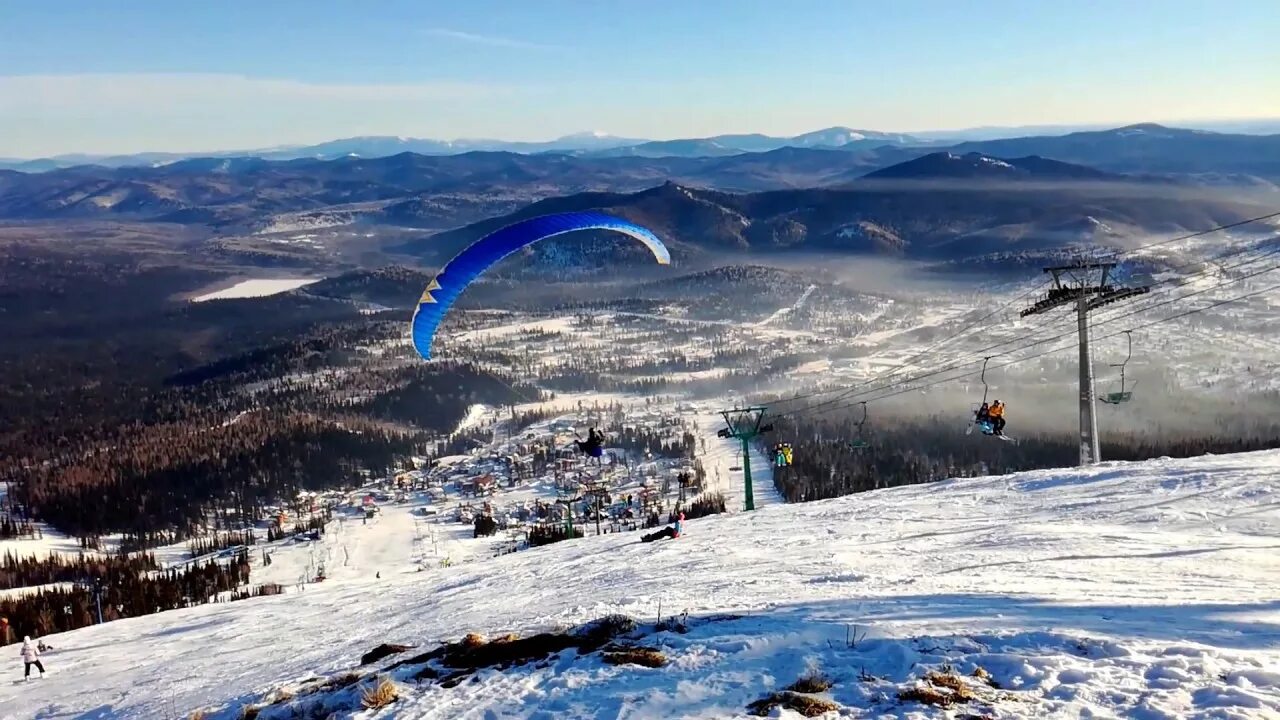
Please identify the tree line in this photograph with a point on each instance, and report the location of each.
(827, 464)
(18, 572)
(127, 591)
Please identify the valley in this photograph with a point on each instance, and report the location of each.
(227, 473)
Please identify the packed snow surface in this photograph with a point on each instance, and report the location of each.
(1127, 590)
(256, 288)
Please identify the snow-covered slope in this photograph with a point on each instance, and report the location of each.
(1143, 590)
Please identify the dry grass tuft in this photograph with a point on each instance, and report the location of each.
(926, 695)
(451, 663)
(646, 657)
(250, 712)
(198, 715)
(803, 704)
(380, 695)
(940, 689)
(279, 695)
(511, 651)
(599, 632)
(950, 681)
(812, 683)
(981, 674)
(337, 682)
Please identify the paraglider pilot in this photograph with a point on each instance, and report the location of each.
(593, 446)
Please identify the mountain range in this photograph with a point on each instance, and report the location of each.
(605, 145)
(587, 143)
(1030, 206)
(735, 162)
(444, 191)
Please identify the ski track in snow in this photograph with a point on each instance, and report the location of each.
(1143, 590)
(782, 312)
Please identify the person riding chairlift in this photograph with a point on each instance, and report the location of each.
(996, 415)
(983, 414)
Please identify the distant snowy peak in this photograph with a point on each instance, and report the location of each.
(586, 135)
(978, 166)
(836, 137)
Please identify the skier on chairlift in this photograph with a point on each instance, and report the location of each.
(996, 415)
(983, 414)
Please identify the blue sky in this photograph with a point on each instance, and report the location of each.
(139, 75)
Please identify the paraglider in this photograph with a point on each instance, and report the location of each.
(478, 257)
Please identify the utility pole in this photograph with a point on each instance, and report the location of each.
(744, 424)
(1076, 284)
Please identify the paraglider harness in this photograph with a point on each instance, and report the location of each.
(593, 446)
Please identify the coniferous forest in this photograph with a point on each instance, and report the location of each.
(826, 463)
(124, 587)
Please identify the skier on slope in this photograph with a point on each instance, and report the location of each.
(30, 656)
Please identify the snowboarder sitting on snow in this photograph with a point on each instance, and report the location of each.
(670, 531)
(30, 656)
(996, 414)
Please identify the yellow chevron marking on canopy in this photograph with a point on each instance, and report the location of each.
(426, 294)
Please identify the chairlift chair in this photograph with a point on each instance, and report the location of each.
(1122, 396)
(860, 442)
(985, 426)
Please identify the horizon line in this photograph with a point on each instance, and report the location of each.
(1068, 127)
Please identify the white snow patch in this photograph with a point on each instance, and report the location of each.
(256, 288)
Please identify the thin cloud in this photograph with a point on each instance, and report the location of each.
(491, 40)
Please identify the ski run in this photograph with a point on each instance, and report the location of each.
(1127, 590)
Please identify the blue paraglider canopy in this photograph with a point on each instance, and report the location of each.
(478, 257)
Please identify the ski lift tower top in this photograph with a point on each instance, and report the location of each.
(745, 425)
(1089, 285)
